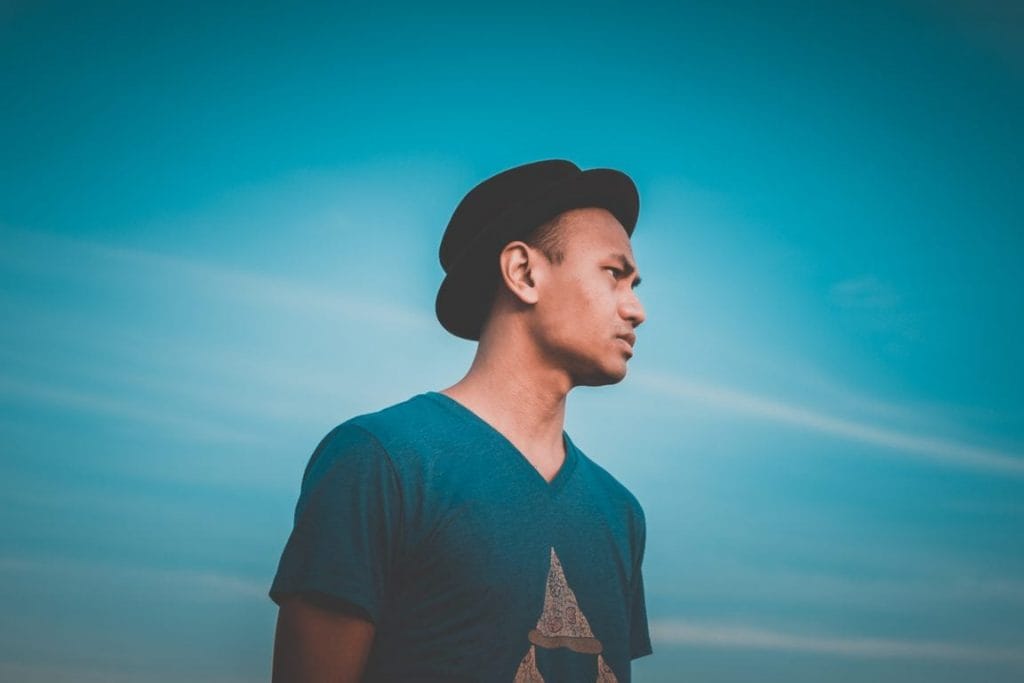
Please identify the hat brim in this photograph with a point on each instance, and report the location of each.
(465, 295)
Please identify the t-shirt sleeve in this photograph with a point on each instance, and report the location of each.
(344, 541)
(639, 636)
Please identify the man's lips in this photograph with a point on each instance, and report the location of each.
(629, 339)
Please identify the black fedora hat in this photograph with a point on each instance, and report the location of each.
(508, 207)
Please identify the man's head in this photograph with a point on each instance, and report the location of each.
(510, 206)
(568, 289)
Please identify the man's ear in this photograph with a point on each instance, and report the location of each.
(519, 270)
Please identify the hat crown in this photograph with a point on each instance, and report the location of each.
(493, 197)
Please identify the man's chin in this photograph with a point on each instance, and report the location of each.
(603, 377)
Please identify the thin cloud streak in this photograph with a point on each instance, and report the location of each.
(267, 290)
(210, 279)
(77, 672)
(195, 584)
(738, 582)
(53, 256)
(866, 292)
(682, 632)
(218, 395)
(105, 405)
(743, 403)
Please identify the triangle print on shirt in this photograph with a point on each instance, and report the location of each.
(561, 624)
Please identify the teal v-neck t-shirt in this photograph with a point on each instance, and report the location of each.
(470, 564)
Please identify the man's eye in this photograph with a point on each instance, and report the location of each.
(614, 272)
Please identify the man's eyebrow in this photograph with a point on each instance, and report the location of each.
(627, 267)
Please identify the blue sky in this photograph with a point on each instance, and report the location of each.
(220, 228)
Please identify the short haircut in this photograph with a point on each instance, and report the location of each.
(549, 239)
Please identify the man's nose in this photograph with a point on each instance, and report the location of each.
(632, 310)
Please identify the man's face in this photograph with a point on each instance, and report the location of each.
(586, 310)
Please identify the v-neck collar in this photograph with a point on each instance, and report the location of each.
(561, 476)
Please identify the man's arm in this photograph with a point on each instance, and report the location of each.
(315, 644)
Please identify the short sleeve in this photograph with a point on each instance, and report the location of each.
(639, 636)
(344, 540)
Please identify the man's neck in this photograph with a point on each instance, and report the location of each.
(521, 398)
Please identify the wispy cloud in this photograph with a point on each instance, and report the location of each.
(166, 373)
(163, 372)
(52, 254)
(72, 672)
(101, 404)
(684, 632)
(917, 414)
(192, 584)
(876, 308)
(267, 290)
(925, 583)
(88, 672)
(866, 291)
(933, 448)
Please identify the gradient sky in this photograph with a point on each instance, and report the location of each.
(219, 230)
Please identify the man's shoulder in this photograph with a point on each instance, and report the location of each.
(408, 422)
(383, 438)
(417, 424)
(372, 425)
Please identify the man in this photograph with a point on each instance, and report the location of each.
(461, 535)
